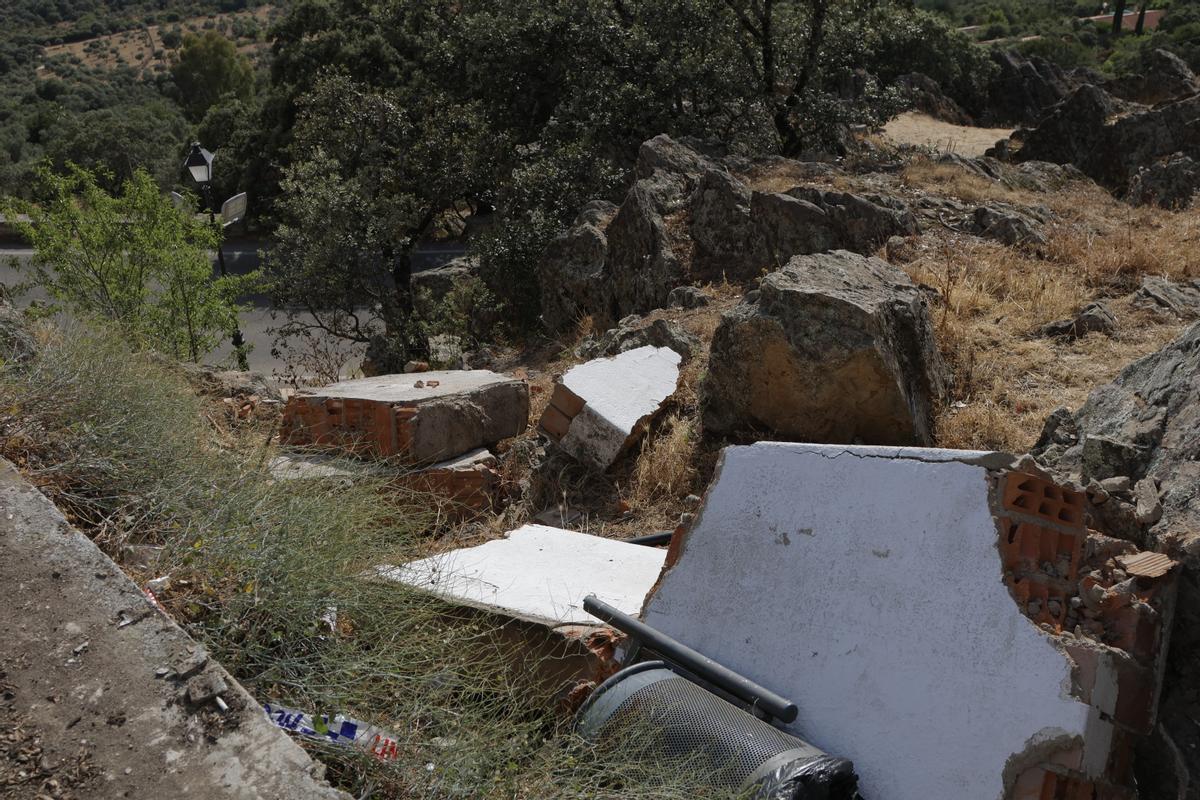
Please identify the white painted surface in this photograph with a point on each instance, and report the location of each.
(403, 388)
(480, 456)
(620, 392)
(865, 584)
(540, 574)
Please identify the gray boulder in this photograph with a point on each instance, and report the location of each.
(642, 266)
(1165, 76)
(687, 297)
(1007, 227)
(1170, 183)
(836, 347)
(722, 229)
(1160, 294)
(572, 272)
(1110, 141)
(1093, 318)
(861, 223)
(438, 282)
(1024, 89)
(633, 332)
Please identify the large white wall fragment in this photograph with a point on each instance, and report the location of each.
(602, 406)
(918, 605)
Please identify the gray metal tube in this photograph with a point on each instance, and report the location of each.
(698, 664)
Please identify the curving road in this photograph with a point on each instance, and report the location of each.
(242, 255)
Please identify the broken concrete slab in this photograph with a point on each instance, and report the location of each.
(420, 419)
(307, 466)
(534, 581)
(917, 606)
(93, 668)
(469, 482)
(602, 407)
(539, 574)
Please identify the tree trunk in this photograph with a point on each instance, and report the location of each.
(1118, 18)
(1141, 22)
(790, 138)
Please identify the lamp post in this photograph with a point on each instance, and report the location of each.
(199, 165)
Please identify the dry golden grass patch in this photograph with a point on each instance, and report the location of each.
(994, 300)
(951, 180)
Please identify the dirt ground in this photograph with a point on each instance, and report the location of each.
(923, 130)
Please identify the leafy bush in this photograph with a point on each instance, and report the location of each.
(132, 259)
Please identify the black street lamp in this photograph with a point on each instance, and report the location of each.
(199, 163)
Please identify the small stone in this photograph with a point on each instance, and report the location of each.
(692, 500)
(1076, 602)
(1149, 508)
(1034, 608)
(419, 385)
(206, 686)
(1121, 483)
(1054, 607)
(416, 366)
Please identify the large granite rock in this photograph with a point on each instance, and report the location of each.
(1111, 142)
(722, 228)
(835, 347)
(1024, 89)
(573, 269)
(1164, 77)
(1170, 183)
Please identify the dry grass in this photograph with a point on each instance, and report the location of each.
(922, 130)
(995, 298)
(950, 180)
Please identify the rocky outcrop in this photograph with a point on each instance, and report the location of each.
(687, 219)
(633, 332)
(572, 271)
(722, 228)
(835, 347)
(1024, 89)
(1111, 142)
(1171, 183)
(1092, 318)
(1007, 227)
(1165, 76)
(809, 220)
(925, 94)
(1180, 299)
(1143, 430)
(438, 282)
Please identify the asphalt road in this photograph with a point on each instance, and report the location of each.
(241, 256)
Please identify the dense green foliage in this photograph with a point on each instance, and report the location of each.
(378, 118)
(133, 259)
(1059, 31)
(209, 69)
(73, 20)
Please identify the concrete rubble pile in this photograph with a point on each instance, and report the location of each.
(439, 424)
(983, 639)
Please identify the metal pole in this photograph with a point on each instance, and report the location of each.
(236, 339)
(698, 664)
